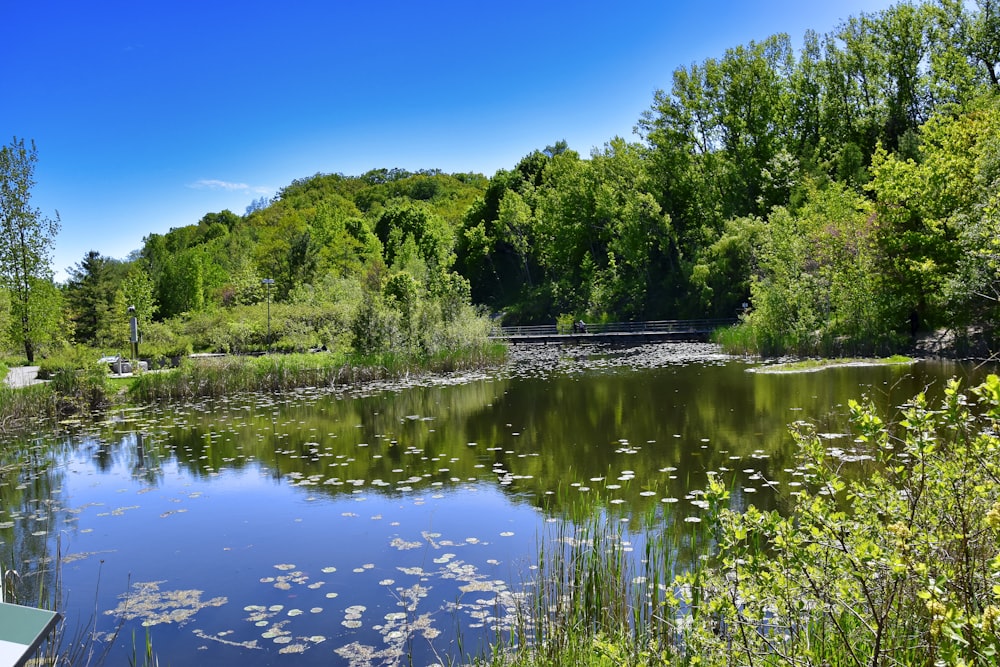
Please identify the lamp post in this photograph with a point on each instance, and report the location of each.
(267, 282)
(133, 330)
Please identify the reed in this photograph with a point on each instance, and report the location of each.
(222, 376)
(739, 339)
(600, 596)
(21, 407)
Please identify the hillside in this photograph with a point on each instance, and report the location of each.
(845, 190)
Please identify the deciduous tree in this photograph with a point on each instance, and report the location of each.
(26, 240)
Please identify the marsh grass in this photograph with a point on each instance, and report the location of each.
(68, 391)
(751, 338)
(739, 339)
(221, 376)
(82, 645)
(601, 596)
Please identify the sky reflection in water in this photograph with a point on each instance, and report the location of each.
(363, 529)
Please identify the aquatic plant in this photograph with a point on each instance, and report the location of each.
(894, 566)
(739, 339)
(601, 596)
(19, 407)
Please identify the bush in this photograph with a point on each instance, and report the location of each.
(895, 563)
(161, 344)
(66, 359)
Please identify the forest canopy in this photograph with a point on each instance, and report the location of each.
(843, 187)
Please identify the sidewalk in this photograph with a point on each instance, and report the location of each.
(22, 376)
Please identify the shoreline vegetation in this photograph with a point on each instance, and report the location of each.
(892, 572)
(888, 560)
(816, 365)
(71, 393)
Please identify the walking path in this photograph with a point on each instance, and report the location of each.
(22, 376)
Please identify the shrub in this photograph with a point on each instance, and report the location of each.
(68, 359)
(896, 563)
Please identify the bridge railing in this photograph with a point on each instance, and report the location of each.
(653, 326)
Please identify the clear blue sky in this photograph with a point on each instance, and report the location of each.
(147, 114)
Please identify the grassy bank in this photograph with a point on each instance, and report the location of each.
(814, 365)
(748, 339)
(222, 376)
(84, 391)
(894, 566)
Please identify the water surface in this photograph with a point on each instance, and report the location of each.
(370, 527)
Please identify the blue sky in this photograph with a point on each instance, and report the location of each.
(148, 114)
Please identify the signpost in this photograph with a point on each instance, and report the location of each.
(22, 630)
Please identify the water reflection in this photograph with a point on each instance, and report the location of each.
(307, 523)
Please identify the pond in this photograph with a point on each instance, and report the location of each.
(399, 524)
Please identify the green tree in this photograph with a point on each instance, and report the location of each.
(982, 31)
(135, 291)
(937, 216)
(410, 231)
(496, 248)
(26, 240)
(90, 293)
(515, 219)
(818, 287)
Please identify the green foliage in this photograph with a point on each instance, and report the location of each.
(896, 563)
(937, 217)
(883, 554)
(90, 294)
(163, 345)
(133, 298)
(26, 239)
(720, 280)
(69, 359)
(39, 324)
(225, 376)
(81, 391)
(820, 288)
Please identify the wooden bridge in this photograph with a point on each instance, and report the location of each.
(626, 333)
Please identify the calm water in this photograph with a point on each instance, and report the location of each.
(363, 529)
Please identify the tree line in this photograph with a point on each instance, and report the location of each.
(845, 190)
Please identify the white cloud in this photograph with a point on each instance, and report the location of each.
(215, 184)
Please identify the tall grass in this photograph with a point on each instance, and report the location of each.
(22, 407)
(602, 596)
(68, 392)
(207, 377)
(896, 566)
(739, 339)
(81, 645)
(749, 339)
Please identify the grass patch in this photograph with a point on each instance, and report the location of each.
(221, 376)
(813, 365)
(21, 408)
